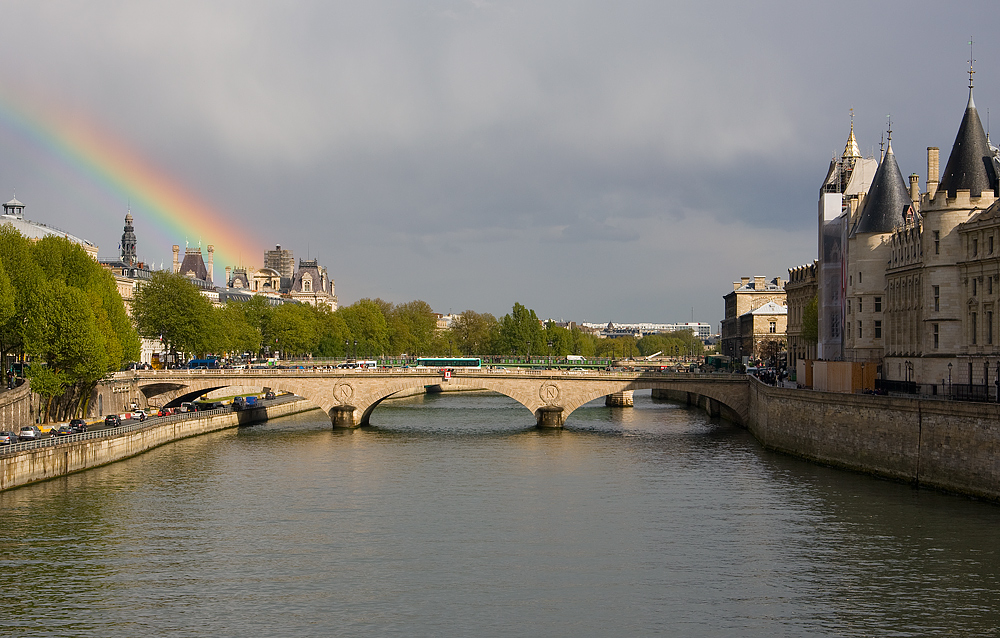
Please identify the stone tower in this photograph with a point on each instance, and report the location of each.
(128, 253)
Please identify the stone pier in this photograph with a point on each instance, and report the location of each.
(623, 399)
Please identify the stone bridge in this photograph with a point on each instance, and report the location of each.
(350, 396)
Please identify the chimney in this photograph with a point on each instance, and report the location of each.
(914, 188)
(933, 159)
(228, 277)
(736, 285)
(758, 282)
(211, 257)
(177, 261)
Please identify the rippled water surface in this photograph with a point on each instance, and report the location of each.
(453, 517)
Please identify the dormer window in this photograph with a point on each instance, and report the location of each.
(306, 283)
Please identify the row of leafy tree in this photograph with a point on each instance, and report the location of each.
(62, 310)
(169, 308)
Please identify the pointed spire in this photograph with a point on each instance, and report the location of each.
(851, 149)
(888, 199)
(970, 165)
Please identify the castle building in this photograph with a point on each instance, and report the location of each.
(921, 271)
(886, 207)
(840, 197)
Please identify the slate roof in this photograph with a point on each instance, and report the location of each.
(887, 201)
(770, 308)
(970, 165)
(194, 262)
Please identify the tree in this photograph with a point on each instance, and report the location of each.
(474, 333)
(560, 338)
(810, 320)
(332, 332)
(521, 332)
(168, 306)
(294, 329)
(26, 279)
(367, 325)
(411, 328)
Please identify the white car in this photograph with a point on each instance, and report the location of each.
(29, 433)
(139, 414)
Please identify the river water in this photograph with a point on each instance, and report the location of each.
(453, 516)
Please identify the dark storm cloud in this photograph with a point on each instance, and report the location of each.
(594, 160)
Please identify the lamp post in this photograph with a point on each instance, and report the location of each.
(529, 353)
(949, 380)
(355, 349)
(347, 350)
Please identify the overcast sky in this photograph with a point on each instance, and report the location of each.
(594, 161)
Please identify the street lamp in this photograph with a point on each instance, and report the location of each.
(949, 379)
(355, 349)
(529, 353)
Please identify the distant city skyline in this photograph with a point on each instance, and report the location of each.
(566, 156)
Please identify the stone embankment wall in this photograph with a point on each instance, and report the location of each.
(950, 445)
(15, 408)
(39, 464)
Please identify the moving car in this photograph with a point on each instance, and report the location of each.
(139, 414)
(78, 425)
(63, 430)
(29, 433)
(269, 395)
(8, 438)
(112, 421)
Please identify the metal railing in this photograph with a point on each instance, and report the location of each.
(105, 433)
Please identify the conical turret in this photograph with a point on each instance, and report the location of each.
(887, 201)
(970, 165)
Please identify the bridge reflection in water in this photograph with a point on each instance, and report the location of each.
(350, 396)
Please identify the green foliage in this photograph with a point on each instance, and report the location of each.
(27, 280)
(366, 324)
(521, 333)
(810, 320)
(332, 333)
(472, 333)
(62, 309)
(169, 306)
(411, 328)
(293, 327)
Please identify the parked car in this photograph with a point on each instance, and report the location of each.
(269, 395)
(112, 421)
(8, 438)
(78, 425)
(29, 433)
(63, 430)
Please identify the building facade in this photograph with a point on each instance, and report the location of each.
(801, 294)
(748, 295)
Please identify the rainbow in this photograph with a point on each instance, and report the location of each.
(105, 162)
